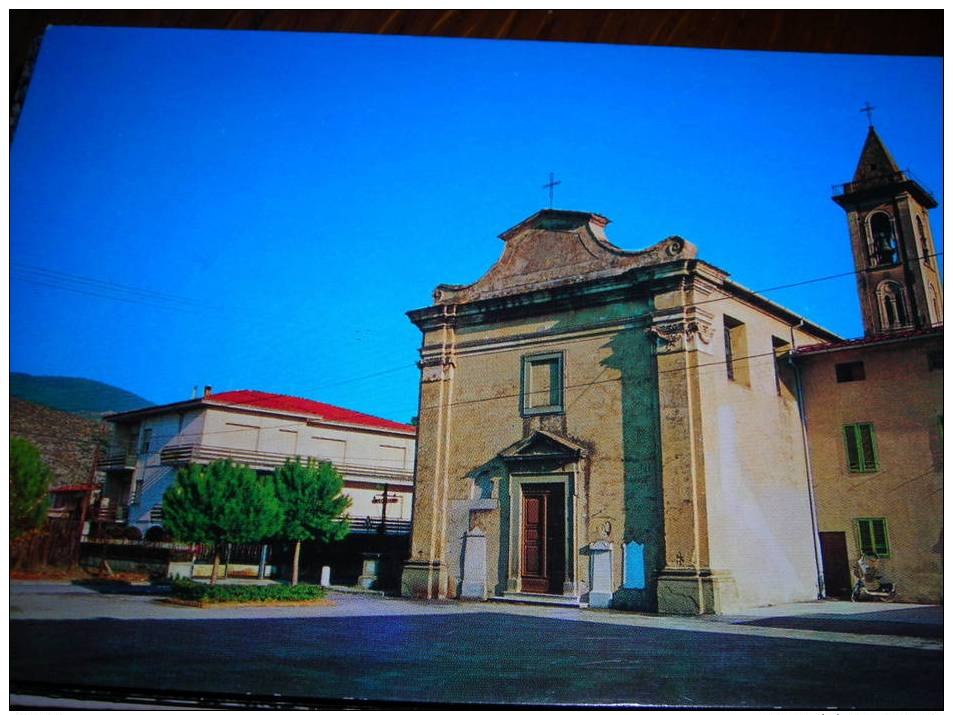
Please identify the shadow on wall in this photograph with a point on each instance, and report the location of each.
(642, 553)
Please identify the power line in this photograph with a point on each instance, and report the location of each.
(594, 324)
(49, 273)
(114, 297)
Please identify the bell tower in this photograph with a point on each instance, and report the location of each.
(897, 276)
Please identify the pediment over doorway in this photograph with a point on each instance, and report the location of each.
(543, 446)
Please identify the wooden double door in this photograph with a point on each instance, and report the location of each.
(543, 538)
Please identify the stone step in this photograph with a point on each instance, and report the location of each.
(540, 599)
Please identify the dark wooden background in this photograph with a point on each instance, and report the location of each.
(885, 32)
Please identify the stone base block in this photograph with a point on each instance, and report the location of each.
(421, 579)
(600, 599)
(689, 592)
(473, 591)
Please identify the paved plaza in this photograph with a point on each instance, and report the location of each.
(386, 650)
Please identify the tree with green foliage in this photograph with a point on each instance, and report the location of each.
(30, 481)
(220, 503)
(312, 505)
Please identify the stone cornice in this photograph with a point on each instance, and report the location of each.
(586, 291)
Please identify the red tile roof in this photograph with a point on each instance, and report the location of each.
(870, 340)
(287, 403)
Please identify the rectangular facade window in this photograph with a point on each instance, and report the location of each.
(146, 439)
(872, 536)
(542, 384)
(850, 371)
(736, 351)
(935, 359)
(861, 447)
(781, 348)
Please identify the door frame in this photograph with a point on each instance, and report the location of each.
(846, 575)
(570, 585)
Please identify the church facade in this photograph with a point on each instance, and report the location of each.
(634, 429)
(607, 427)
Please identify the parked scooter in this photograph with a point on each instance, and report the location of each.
(869, 585)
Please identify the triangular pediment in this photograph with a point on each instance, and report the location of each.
(553, 248)
(542, 445)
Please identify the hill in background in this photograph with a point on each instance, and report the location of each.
(75, 395)
(66, 442)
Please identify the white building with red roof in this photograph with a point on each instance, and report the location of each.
(261, 430)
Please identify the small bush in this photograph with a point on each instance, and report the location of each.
(131, 533)
(111, 531)
(156, 533)
(192, 591)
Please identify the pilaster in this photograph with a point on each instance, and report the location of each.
(685, 584)
(425, 575)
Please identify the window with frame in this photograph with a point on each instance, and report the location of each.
(893, 307)
(736, 351)
(146, 439)
(781, 349)
(850, 371)
(883, 242)
(861, 445)
(871, 533)
(542, 383)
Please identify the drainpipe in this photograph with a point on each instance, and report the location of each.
(802, 411)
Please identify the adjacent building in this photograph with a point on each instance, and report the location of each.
(873, 407)
(874, 418)
(261, 430)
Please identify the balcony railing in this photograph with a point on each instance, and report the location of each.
(113, 514)
(118, 459)
(179, 455)
(879, 180)
(372, 525)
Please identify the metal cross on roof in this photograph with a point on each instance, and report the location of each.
(869, 110)
(550, 186)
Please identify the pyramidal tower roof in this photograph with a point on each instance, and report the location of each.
(875, 159)
(878, 175)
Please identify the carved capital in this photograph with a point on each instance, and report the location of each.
(678, 332)
(435, 368)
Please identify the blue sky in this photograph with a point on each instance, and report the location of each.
(258, 210)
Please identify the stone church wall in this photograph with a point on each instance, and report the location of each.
(759, 515)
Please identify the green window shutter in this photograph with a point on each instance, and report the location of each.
(869, 447)
(853, 454)
(861, 443)
(866, 538)
(879, 528)
(872, 536)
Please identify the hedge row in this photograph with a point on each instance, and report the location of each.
(192, 591)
